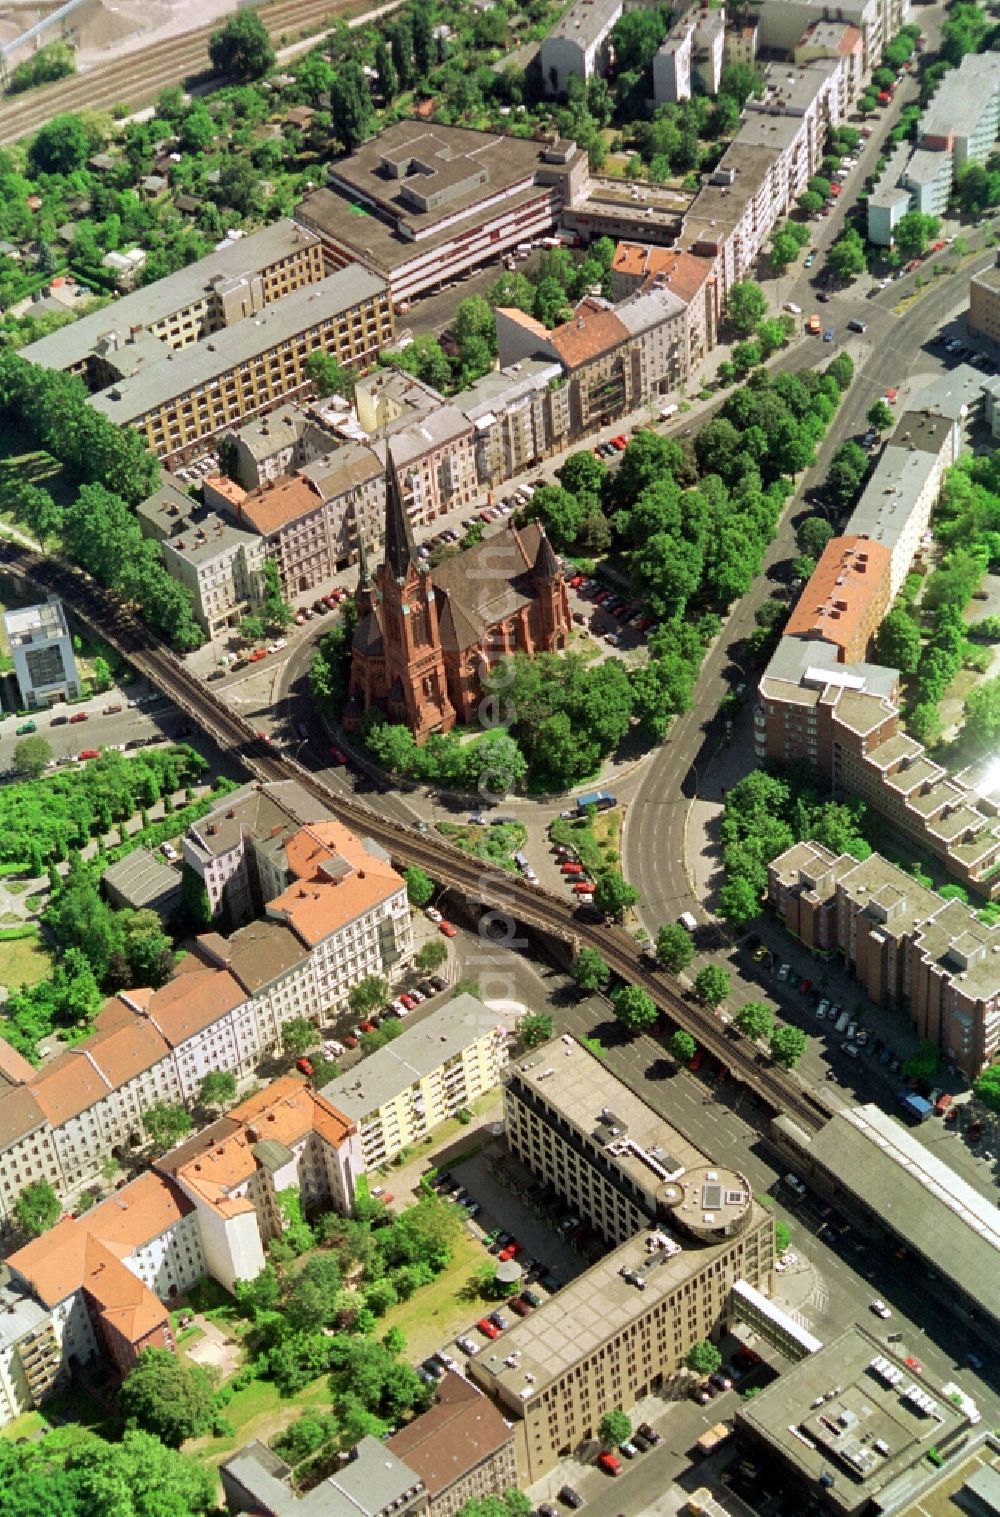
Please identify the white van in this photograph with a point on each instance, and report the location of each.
(792, 308)
(688, 921)
(668, 410)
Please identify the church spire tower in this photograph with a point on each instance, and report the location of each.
(414, 661)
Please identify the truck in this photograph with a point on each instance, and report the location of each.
(713, 1439)
(813, 326)
(916, 1108)
(602, 799)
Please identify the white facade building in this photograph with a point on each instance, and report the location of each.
(42, 650)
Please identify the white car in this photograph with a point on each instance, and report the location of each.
(332, 1048)
(880, 1309)
(432, 914)
(277, 646)
(468, 1346)
(784, 971)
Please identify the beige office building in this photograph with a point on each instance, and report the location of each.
(623, 1328)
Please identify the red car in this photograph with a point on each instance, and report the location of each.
(694, 1064)
(350, 1041)
(367, 1026)
(448, 930)
(576, 581)
(304, 1065)
(408, 1001)
(583, 887)
(90, 753)
(256, 656)
(572, 868)
(488, 1328)
(609, 1464)
(338, 755)
(891, 395)
(914, 1365)
(79, 716)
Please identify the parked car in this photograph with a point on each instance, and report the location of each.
(78, 716)
(488, 1328)
(304, 1065)
(880, 1309)
(609, 1463)
(570, 1497)
(448, 930)
(432, 914)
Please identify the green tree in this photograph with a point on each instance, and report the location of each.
(914, 231)
(982, 714)
(431, 955)
(474, 319)
(738, 902)
(674, 947)
(634, 1008)
(812, 535)
(809, 202)
(351, 109)
(746, 305)
(166, 1124)
(512, 289)
(754, 1020)
(328, 375)
(535, 1028)
(712, 984)
(583, 474)
(168, 1397)
(682, 1046)
(880, 416)
(31, 755)
(615, 1428)
(739, 81)
(59, 147)
(299, 1035)
(787, 1045)
(369, 994)
(898, 643)
(704, 1358)
(848, 467)
(782, 1237)
(986, 1087)
(924, 723)
(241, 48)
(590, 971)
(613, 894)
(217, 1088)
(37, 1208)
(846, 259)
(419, 885)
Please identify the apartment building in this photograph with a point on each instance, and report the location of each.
(846, 597)
(233, 1172)
(233, 848)
(692, 51)
(612, 357)
(780, 23)
(518, 414)
(398, 1095)
(280, 442)
(740, 43)
(894, 509)
(838, 40)
(984, 304)
(222, 566)
(440, 201)
(959, 127)
(181, 401)
(642, 266)
(372, 1483)
(461, 1448)
(42, 649)
(435, 457)
(578, 44)
(237, 280)
(909, 949)
(622, 1329)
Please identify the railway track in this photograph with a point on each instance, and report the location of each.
(491, 889)
(136, 79)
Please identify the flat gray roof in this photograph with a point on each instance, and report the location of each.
(155, 302)
(891, 495)
(954, 392)
(958, 108)
(31, 624)
(188, 369)
(937, 1213)
(410, 1057)
(374, 1481)
(852, 1411)
(795, 657)
(585, 20)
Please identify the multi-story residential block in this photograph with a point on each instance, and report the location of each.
(441, 200)
(232, 848)
(622, 1329)
(279, 442)
(238, 280)
(222, 566)
(398, 1095)
(692, 50)
(518, 415)
(461, 1448)
(909, 949)
(846, 597)
(436, 461)
(740, 42)
(959, 127)
(895, 507)
(42, 649)
(233, 1172)
(848, 1422)
(838, 40)
(373, 1483)
(780, 23)
(613, 357)
(578, 44)
(984, 304)
(642, 266)
(181, 401)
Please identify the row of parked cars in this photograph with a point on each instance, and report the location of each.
(611, 447)
(574, 874)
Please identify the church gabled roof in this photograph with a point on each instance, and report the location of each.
(400, 549)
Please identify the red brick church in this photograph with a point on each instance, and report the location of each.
(426, 637)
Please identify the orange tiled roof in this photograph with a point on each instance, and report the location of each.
(56, 1263)
(851, 572)
(193, 1001)
(13, 1065)
(680, 272)
(68, 1086)
(227, 488)
(593, 330)
(280, 502)
(337, 880)
(128, 1051)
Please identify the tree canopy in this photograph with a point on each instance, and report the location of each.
(168, 1397)
(241, 47)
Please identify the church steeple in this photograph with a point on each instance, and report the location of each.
(363, 594)
(400, 549)
(546, 565)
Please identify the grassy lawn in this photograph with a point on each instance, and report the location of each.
(259, 1411)
(438, 1311)
(597, 840)
(495, 844)
(28, 1425)
(34, 465)
(23, 962)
